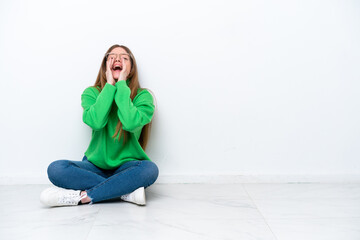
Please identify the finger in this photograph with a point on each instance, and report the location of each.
(124, 64)
(108, 64)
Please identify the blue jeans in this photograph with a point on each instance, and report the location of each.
(101, 184)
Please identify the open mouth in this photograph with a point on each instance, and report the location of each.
(117, 68)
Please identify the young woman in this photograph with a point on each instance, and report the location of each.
(115, 164)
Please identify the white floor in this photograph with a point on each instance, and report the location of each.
(192, 211)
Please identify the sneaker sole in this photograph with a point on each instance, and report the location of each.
(140, 198)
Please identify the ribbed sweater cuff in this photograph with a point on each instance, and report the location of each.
(119, 83)
(108, 85)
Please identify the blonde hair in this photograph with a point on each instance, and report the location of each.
(133, 85)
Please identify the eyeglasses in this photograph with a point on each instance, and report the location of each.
(122, 56)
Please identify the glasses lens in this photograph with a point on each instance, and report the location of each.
(121, 56)
(124, 57)
(111, 56)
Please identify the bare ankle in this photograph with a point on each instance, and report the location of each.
(86, 199)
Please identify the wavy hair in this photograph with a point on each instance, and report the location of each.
(133, 85)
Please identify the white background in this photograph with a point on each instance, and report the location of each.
(243, 88)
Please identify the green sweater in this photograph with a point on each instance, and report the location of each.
(102, 112)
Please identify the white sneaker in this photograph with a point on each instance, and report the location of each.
(55, 196)
(137, 196)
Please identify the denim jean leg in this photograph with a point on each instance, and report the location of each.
(130, 176)
(77, 175)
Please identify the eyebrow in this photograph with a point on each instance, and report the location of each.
(119, 53)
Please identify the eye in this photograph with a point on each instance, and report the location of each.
(111, 56)
(125, 57)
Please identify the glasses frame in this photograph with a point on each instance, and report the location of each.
(117, 54)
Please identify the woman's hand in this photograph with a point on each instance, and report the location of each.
(124, 72)
(109, 76)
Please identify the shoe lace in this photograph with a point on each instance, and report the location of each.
(126, 197)
(71, 198)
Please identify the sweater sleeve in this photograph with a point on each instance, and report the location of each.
(133, 115)
(97, 106)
